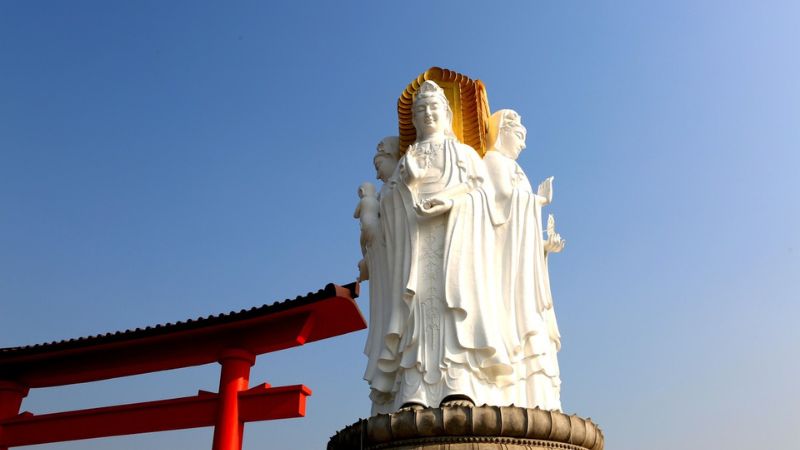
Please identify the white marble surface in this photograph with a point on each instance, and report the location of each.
(456, 257)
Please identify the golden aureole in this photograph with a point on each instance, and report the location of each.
(469, 103)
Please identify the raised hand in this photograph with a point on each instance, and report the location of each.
(554, 243)
(546, 190)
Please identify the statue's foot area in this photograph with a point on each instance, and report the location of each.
(457, 400)
(412, 407)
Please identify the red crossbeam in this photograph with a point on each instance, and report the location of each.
(259, 403)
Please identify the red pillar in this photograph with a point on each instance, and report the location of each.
(11, 395)
(234, 377)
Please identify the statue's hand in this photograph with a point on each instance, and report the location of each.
(433, 207)
(409, 168)
(546, 190)
(554, 243)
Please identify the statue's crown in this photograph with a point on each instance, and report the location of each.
(430, 88)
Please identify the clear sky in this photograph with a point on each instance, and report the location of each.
(167, 160)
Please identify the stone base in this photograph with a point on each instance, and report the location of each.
(470, 428)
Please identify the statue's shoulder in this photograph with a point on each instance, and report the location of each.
(465, 151)
(495, 162)
(494, 157)
(461, 146)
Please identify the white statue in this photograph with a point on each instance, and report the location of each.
(367, 213)
(521, 257)
(440, 339)
(460, 303)
(374, 266)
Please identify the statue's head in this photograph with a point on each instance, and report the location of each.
(366, 189)
(506, 133)
(430, 111)
(386, 156)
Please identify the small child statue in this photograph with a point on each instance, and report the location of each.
(367, 213)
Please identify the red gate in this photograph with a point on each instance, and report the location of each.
(234, 340)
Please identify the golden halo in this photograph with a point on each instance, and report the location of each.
(468, 101)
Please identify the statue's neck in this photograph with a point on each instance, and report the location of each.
(433, 138)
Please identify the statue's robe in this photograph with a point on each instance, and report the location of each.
(468, 354)
(532, 336)
(380, 382)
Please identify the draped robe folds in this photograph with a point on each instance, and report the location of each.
(532, 336)
(375, 257)
(422, 356)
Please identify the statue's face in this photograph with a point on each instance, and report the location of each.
(384, 166)
(513, 138)
(430, 116)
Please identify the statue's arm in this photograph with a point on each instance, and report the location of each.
(499, 176)
(443, 201)
(475, 174)
(357, 213)
(454, 191)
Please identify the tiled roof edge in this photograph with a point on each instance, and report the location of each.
(330, 290)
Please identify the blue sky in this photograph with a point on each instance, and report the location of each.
(166, 160)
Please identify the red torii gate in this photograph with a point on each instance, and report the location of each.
(232, 339)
